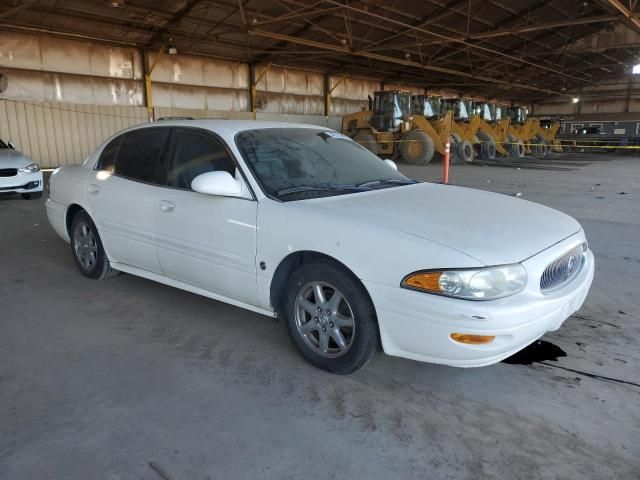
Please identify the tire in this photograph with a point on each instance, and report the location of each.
(465, 151)
(367, 140)
(516, 146)
(543, 146)
(359, 330)
(454, 158)
(32, 196)
(417, 148)
(87, 250)
(488, 146)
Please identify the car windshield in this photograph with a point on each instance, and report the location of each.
(295, 163)
(3, 145)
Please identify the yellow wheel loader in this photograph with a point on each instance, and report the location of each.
(526, 130)
(389, 128)
(548, 131)
(493, 132)
(433, 109)
(464, 129)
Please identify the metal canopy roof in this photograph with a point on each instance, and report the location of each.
(519, 49)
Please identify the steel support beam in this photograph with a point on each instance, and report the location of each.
(504, 31)
(444, 37)
(631, 16)
(384, 58)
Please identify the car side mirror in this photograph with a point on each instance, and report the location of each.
(217, 183)
(11, 145)
(391, 163)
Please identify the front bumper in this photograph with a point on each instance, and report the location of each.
(22, 183)
(418, 326)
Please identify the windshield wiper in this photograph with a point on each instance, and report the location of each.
(319, 188)
(396, 181)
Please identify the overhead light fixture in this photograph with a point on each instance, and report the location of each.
(115, 3)
(171, 48)
(575, 99)
(407, 55)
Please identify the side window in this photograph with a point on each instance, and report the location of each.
(107, 160)
(192, 153)
(140, 154)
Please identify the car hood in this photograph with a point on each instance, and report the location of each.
(10, 158)
(492, 228)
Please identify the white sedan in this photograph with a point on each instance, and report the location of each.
(300, 222)
(18, 173)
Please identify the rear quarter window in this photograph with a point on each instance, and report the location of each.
(107, 161)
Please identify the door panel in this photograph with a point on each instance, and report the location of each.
(208, 241)
(123, 212)
(205, 240)
(121, 195)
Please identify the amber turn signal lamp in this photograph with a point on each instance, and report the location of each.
(472, 339)
(424, 281)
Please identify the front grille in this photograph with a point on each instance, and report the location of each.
(8, 172)
(563, 269)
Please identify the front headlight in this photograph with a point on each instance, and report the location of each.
(30, 168)
(470, 284)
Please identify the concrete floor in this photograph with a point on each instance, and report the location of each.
(98, 379)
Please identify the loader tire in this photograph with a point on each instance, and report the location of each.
(487, 146)
(417, 148)
(465, 151)
(454, 158)
(516, 147)
(367, 140)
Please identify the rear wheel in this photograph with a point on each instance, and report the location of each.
(367, 140)
(417, 148)
(330, 318)
(87, 250)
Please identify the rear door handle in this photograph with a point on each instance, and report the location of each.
(93, 189)
(167, 206)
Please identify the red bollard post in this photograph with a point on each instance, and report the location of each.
(445, 173)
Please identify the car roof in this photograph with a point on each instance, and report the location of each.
(236, 125)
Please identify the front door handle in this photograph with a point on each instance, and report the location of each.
(167, 206)
(93, 189)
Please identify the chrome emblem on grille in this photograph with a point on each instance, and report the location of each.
(563, 269)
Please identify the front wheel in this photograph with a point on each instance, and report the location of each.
(465, 151)
(87, 250)
(368, 141)
(330, 318)
(417, 148)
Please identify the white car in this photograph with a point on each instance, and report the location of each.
(18, 173)
(301, 222)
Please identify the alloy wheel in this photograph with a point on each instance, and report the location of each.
(85, 246)
(324, 319)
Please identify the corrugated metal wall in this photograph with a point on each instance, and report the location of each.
(57, 134)
(64, 97)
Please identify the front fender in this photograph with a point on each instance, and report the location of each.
(373, 253)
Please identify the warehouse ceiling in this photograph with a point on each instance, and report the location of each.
(519, 49)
